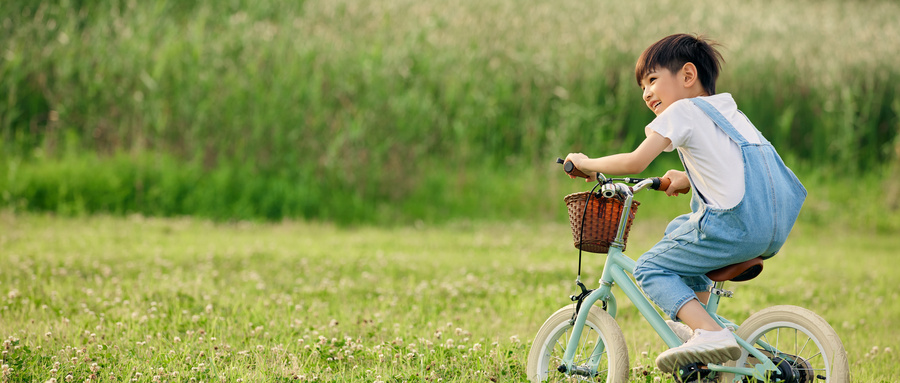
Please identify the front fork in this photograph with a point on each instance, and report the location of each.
(586, 299)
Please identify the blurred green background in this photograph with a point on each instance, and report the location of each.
(396, 111)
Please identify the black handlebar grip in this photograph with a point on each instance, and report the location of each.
(570, 168)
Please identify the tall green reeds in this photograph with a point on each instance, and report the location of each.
(399, 109)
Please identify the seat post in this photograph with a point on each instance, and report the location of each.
(717, 291)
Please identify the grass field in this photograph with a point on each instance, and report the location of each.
(406, 114)
(139, 299)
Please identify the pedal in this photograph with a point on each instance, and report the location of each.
(721, 292)
(693, 372)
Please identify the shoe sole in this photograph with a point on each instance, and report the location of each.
(668, 361)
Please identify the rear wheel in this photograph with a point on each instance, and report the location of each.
(600, 329)
(803, 345)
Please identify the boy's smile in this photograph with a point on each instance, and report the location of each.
(661, 87)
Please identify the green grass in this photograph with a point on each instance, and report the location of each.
(119, 299)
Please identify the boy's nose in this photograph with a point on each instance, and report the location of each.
(646, 94)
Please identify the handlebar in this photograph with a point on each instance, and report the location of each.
(655, 183)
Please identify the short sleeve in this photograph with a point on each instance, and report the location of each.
(674, 123)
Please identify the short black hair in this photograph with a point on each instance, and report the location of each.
(672, 52)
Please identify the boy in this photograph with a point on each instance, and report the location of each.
(744, 202)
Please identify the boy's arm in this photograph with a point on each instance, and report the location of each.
(623, 163)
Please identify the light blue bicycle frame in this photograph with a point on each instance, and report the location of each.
(614, 272)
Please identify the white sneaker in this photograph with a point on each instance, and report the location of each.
(704, 347)
(683, 331)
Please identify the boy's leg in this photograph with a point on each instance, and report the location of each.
(695, 316)
(702, 296)
(670, 292)
(659, 273)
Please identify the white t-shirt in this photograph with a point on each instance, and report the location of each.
(713, 160)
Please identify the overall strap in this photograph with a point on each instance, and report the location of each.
(721, 122)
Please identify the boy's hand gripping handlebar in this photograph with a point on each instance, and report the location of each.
(659, 183)
(662, 184)
(570, 168)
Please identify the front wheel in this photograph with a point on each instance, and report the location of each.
(601, 356)
(803, 345)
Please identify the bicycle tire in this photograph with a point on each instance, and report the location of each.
(807, 341)
(550, 344)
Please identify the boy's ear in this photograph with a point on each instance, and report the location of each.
(689, 74)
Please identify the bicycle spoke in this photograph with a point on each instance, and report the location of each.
(800, 352)
(815, 356)
(581, 348)
(795, 341)
(564, 338)
(778, 337)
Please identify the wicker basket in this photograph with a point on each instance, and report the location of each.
(601, 220)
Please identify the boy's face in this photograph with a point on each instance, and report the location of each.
(662, 87)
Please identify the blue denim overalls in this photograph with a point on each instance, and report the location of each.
(710, 238)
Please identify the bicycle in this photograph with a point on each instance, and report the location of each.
(582, 341)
